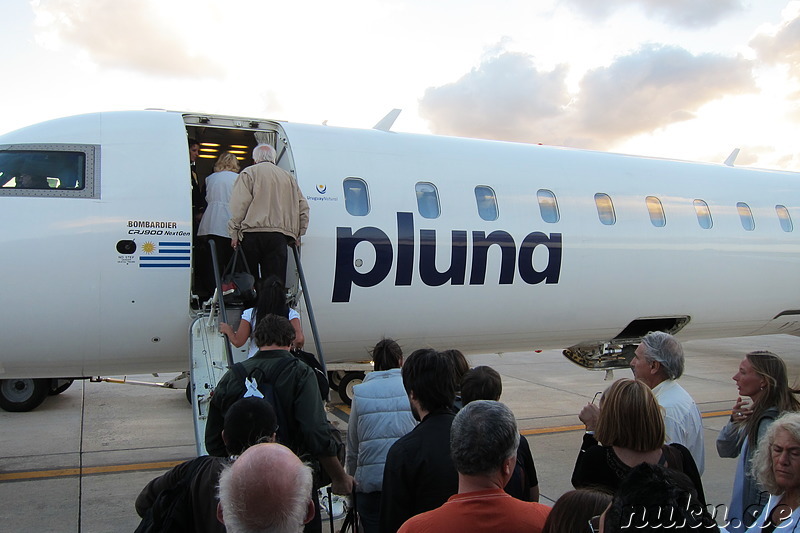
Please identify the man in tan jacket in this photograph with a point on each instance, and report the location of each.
(268, 212)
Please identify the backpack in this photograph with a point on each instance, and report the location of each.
(311, 360)
(172, 509)
(258, 384)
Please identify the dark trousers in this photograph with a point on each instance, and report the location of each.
(224, 253)
(267, 250)
(368, 505)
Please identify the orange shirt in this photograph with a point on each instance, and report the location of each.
(491, 511)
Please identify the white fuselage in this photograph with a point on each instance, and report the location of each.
(75, 304)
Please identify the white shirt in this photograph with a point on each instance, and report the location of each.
(682, 419)
(218, 195)
(247, 315)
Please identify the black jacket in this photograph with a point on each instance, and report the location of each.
(419, 475)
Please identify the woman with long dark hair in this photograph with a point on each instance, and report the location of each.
(271, 301)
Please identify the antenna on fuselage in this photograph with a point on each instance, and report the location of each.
(386, 123)
(732, 157)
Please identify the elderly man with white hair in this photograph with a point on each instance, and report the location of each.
(659, 363)
(268, 212)
(268, 489)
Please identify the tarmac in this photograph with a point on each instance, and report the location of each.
(78, 462)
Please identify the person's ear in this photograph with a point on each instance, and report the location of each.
(219, 514)
(224, 438)
(310, 512)
(508, 465)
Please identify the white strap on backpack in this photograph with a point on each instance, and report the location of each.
(251, 386)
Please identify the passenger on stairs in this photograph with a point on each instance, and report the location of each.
(268, 213)
(271, 301)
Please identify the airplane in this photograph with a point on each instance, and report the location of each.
(484, 246)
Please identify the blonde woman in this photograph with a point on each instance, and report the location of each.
(763, 378)
(630, 431)
(214, 225)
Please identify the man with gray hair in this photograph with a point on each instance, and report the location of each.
(267, 490)
(658, 362)
(268, 212)
(483, 446)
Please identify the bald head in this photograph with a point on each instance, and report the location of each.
(267, 489)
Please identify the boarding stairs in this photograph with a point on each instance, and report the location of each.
(212, 354)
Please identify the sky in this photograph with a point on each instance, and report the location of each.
(684, 79)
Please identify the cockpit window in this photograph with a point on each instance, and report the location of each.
(49, 170)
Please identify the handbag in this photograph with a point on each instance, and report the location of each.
(238, 286)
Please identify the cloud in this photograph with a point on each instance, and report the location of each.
(125, 34)
(781, 47)
(686, 13)
(508, 98)
(497, 100)
(654, 87)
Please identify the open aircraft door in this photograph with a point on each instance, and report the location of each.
(209, 361)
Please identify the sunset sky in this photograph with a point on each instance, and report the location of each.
(683, 79)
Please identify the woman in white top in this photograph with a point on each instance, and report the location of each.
(776, 465)
(271, 301)
(214, 224)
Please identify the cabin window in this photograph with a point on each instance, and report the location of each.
(605, 209)
(487, 202)
(703, 214)
(47, 170)
(356, 197)
(548, 206)
(656, 210)
(784, 217)
(427, 200)
(746, 216)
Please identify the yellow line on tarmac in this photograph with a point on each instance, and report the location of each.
(562, 429)
(712, 414)
(87, 470)
(163, 465)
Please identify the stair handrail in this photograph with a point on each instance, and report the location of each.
(223, 315)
